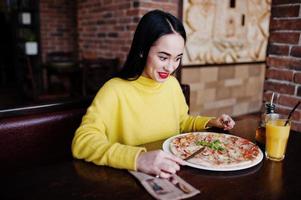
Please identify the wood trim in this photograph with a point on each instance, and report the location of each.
(223, 65)
(48, 107)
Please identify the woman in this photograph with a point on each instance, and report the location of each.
(143, 104)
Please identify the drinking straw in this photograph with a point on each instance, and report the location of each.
(289, 116)
(272, 99)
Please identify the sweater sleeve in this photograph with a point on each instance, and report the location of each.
(91, 142)
(189, 123)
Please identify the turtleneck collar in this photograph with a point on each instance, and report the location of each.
(148, 83)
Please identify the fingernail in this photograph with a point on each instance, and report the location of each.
(226, 122)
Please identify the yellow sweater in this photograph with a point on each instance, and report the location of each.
(125, 114)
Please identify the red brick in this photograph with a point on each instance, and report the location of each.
(299, 91)
(131, 27)
(284, 37)
(280, 62)
(289, 101)
(278, 49)
(296, 116)
(295, 64)
(106, 2)
(296, 51)
(282, 110)
(285, 75)
(282, 88)
(121, 6)
(285, 11)
(297, 77)
(132, 12)
(296, 126)
(124, 20)
(144, 4)
(285, 24)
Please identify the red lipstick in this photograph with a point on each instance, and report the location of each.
(163, 75)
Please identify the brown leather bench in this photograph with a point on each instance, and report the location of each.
(38, 135)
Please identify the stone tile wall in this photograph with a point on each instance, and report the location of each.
(231, 89)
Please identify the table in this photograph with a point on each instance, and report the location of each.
(75, 179)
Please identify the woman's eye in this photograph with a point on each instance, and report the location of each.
(179, 59)
(162, 58)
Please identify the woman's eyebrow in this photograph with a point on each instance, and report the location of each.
(165, 53)
(168, 54)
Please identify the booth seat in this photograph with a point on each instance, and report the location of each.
(41, 135)
(38, 135)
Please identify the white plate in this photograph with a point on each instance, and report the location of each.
(166, 145)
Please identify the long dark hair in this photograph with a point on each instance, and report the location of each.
(151, 27)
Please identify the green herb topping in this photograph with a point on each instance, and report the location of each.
(215, 145)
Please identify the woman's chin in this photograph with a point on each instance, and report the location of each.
(160, 80)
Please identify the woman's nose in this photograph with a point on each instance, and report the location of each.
(169, 67)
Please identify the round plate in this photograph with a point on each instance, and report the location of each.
(166, 145)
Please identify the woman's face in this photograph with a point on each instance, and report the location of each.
(164, 57)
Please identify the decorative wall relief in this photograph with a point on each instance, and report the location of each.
(225, 31)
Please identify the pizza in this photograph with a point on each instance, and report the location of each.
(216, 150)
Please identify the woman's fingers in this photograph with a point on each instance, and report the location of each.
(165, 175)
(227, 122)
(174, 159)
(159, 163)
(169, 166)
(230, 125)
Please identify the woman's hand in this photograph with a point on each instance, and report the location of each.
(224, 121)
(158, 163)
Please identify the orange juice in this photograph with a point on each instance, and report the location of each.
(276, 139)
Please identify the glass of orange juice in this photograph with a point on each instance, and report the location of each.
(277, 134)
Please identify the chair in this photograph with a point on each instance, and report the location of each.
(32, 90)
(186, 92)
(96, 72)
(64, 66)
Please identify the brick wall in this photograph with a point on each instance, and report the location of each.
(284, 58)
(57, 26)
(106, 27)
